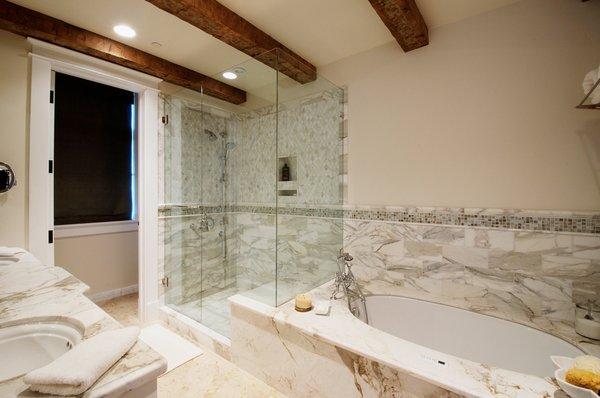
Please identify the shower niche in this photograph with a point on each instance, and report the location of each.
(289, 186)
(229, 222)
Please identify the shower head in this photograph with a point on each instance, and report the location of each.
(212, 136)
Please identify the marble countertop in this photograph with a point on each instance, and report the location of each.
(31, 291)
(459, 375)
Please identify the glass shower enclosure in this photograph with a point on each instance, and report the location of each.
(251, 195)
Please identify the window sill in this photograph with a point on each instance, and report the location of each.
(100, 228)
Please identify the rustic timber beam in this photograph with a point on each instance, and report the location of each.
(26, 22)
(224, 24)
(405, 22)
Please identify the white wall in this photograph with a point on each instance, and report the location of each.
(481, 117)
(105, 262)
(14, 108)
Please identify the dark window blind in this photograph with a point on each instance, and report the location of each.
(92, 151)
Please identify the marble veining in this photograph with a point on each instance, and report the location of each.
(306, 351)
(533, 277)
(42, 292)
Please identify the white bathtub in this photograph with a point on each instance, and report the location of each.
(469, 335)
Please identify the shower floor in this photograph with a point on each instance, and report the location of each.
(213, 310)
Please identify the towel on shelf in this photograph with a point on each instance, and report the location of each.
(588, 83)
(10, 251)
(76, 370)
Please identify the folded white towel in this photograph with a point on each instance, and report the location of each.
(10, 251)
(588, 83)
(76, 370)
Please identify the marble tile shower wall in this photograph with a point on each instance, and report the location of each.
(309, 130)
(194, 264)
(192, 163)
(192, 156)
(306, 251)
(533, 277)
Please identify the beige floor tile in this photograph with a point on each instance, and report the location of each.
(124, 309)
(206, 376)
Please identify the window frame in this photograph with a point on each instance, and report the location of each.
(94, 228)
(98, 227)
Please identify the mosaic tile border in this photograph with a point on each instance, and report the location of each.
(187, 210)
(529, 220)
(170, 211)
(501, 219)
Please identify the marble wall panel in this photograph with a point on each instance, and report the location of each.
(195, 264)
(529, 276)
(308, 130)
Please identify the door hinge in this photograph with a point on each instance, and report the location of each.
(51, 96)
(165, 281)
(50, 166)
(50, 236)
(165, 119)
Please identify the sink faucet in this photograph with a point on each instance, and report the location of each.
(345, 283)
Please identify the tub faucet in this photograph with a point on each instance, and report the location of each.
(345, 282)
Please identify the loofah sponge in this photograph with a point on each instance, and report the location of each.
(583, 378)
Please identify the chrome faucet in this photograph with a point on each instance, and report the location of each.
(345, 283)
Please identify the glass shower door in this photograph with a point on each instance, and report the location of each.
(217, 276)
(182, 216)
(231, 221)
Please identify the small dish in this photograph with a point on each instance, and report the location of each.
(562, 362)
(572, 390)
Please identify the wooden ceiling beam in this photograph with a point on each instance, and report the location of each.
(26, 22)
(405, 22)
(227, 26)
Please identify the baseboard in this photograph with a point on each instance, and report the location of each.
(110, 294)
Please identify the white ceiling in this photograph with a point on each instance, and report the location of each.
(322, 31)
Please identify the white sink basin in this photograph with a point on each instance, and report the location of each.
(29, 346)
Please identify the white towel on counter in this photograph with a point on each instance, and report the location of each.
(76, 370)
(10, 251)
(588, 83)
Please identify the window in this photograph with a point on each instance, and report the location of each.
(94, 152)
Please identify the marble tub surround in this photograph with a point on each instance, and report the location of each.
(534, 278)
(301, 353)
(41, 292)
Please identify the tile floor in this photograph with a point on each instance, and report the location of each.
(208, 375)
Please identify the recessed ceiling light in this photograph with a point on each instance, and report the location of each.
(234, 73)
(124, 30)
